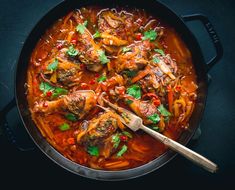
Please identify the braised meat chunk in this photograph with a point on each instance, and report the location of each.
(135, 59)
(88, 51)
(97, 132)
(111, 23)
(78, 102)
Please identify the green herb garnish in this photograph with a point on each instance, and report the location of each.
(81, 27)
(130, 73)
(85, 23)
(72, 52)
(102, 79)
(151, 35)
(96, 34)
(64, 127)
(127, 134)
(53, 66)
(122, 151)
(102, 57)
(134, 91)
(166, 119)
(45, 87)
(93, 150)
(56, 91)
(59, 91)
(163, 111)
(129, 102)
(71, 117)
(116, 140)
(154, 118)
(160, 51)
(126, 49)
(156, 60)
(155, 128)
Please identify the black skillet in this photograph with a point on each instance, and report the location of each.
(155, 8)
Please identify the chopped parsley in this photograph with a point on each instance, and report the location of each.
(72, 52)
(129, 102)
(81, 27)
(64, 127)
(102, 57)
(156, 60)
(166, 119)
(126, 49)
(53, 66)
(102, 78)
(154, 118)
(93, 150)
(160, 51)
(127, 134)
(155, 128)
(134, 91)
(122, 151)
(56, 91)
(96, 34)
(59, 91)
(45, 87)
(150, 35)
(116, 140)
(130, 73)
(163, 111)
(71, 117)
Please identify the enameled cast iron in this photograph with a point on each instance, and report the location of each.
(155, 8)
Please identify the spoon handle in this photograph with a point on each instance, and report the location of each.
(184, 151)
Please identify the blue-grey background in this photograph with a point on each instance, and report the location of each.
(217, 141)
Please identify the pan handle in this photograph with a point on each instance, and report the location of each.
(8, 131)
(213, 35)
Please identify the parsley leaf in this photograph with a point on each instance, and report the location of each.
(134, 91)
(93, 150)
(156, 128)
(130, 73)
(166, 119)
(81, 27)
(102, 57)
(96, 34)
(156, 60)
(163, 111)
(160, 51)
(85, 23)
(129, 102)
(56, 91)
(116, 140)
(72, 52)
(101, 79)
(71, 117)
(154, 118)
(59, 91)
(126, 49)
(45, 87)
(151, 35)
(53, 66)
(122, 151)
(64, 127)
(127, 134)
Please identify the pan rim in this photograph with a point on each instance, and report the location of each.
(132, 173)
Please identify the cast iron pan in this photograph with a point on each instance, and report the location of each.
(155, 8)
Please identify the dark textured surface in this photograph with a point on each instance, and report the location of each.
(217, 141)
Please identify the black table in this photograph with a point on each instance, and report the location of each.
(216, 142)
